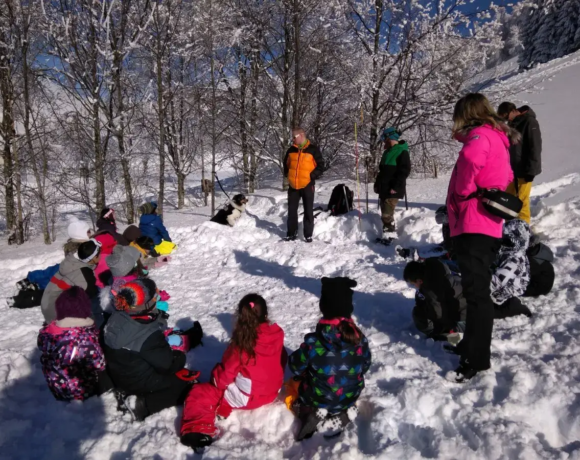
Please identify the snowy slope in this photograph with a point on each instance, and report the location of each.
(526, 407)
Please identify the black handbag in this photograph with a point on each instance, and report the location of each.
(500, 203)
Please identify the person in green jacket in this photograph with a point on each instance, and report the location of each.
(391, 182)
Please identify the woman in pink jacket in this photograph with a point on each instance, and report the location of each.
(483, 163)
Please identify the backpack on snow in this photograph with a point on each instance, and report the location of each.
(542, 273)
(341, 200)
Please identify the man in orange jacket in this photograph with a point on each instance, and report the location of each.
(303, 164)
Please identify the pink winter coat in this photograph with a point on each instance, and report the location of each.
(483, 162)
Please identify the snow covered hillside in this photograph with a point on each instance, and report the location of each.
(526, 407)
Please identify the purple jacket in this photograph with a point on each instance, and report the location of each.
(71, 358)
(483, 162)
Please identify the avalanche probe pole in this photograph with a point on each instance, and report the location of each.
(357, 176)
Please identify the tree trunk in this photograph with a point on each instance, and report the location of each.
(180, 190)
(120, 136)
(28, 133)
(213, 131)
(296, 118)
(18, 185)
(243, 77)
(161, 120)
(253, 121)
(100, 199)
(285, 96)
(7, 132)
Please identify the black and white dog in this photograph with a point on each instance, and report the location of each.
(232, 211)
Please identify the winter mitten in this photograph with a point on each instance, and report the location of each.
(162, 306)
(188, 375)
(164, 296)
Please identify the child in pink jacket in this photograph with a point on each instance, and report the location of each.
(71, 355)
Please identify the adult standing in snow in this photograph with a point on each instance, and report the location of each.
(303, 164)
(526, 156)
(391, 182)
(483, 162)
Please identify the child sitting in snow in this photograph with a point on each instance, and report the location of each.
(250, 375)
(140, 361)
(31, 288)
(152, 226)
(71, 355)
(330, 365)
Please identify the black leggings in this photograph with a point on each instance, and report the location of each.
(475, 254)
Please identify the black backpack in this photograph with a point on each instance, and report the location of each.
(542, 273)
(341, 200)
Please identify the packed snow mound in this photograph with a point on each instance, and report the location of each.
(526, 406)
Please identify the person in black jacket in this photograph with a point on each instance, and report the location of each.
(140, 361)
(391, 182)
(303, 164)
(525, 157)
(440, 307)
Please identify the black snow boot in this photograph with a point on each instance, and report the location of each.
(464, 373)
(290, 237)
(196, 440)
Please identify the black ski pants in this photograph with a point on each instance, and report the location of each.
(475, 254)
(173, 395)
(294, 196)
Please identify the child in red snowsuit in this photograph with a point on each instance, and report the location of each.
(250, 375)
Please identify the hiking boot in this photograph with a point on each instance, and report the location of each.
(308, 240)
(389, 228)
(196, 440)
(24, 285)
(464, 373)
(290, 238)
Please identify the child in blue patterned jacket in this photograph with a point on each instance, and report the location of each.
(330, 364)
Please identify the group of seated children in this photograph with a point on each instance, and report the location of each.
(146, 360)
(108, 239)
(440, 307)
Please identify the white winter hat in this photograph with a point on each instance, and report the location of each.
(77, 231)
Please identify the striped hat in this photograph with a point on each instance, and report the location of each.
(137, 296)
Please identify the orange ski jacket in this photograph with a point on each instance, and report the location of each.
(303, 166)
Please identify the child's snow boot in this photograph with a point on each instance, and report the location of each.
(197, 441)
(137, 407)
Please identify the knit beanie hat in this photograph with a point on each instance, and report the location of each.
(89, 250)
(148, 208)
(391, 133)
(77, 231)
(122, 260)
(137, 296)
(73, 303)
(131, 233)
(336, 297)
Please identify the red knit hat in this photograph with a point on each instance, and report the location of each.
(136, 296)
(73, 303)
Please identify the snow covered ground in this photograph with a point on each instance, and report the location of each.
(526, 407)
